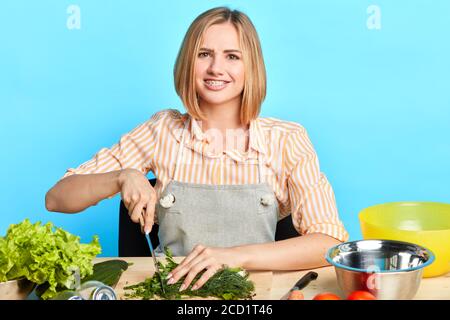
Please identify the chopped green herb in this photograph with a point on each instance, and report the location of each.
(226, 284)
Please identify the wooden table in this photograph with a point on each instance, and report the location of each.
(273, 285)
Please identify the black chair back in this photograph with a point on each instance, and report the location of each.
(132, 242)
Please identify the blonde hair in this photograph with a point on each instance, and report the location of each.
(254, 86)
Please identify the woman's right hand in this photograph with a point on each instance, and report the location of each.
(139, 197)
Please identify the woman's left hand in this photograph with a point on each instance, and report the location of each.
(210, 258)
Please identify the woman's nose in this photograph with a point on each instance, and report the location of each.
(216, 66)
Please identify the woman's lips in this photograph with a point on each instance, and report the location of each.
(215, 85)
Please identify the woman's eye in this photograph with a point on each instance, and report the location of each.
(233, 57)
(203, 54)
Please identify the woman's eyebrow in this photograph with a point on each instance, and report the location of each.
(226, 51)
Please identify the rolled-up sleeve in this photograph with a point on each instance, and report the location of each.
(313, 204)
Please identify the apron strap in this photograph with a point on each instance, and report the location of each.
(260, 168)
(180, 150)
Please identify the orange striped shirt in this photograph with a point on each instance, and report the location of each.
(291, 165)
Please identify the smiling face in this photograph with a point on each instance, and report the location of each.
(219, 68)
(230, 49)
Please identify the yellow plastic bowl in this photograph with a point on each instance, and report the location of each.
(424, 223)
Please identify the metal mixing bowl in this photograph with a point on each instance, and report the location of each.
(388, 269)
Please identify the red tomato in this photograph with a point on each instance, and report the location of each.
(296, 295)
(361, 295)
(327, 296)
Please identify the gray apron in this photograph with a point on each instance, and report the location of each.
(215, 215)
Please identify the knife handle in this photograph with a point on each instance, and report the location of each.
(305, 280)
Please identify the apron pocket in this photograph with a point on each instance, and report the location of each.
(163, 212)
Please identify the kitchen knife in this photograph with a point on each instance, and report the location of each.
(302, 283)
(149, 241)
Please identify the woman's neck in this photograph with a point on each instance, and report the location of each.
(221, 117)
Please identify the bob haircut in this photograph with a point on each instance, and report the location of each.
(254, 90)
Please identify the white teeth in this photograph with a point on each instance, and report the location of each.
(215, 83)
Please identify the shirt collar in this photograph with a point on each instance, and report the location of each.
(257, 137)
(196, 130)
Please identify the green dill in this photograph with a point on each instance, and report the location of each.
(227, 284)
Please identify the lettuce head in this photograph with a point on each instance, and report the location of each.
(45, 255)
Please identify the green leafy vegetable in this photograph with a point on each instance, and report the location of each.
(43, 254)
(108, 272)
(226, 284)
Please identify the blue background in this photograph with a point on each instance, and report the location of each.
(376, 103)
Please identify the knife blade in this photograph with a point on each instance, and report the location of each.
(149, 241)
(301, 284)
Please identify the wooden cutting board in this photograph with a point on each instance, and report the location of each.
(143, 268)
(273, 285)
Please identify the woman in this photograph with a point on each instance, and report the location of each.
(224, 175)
